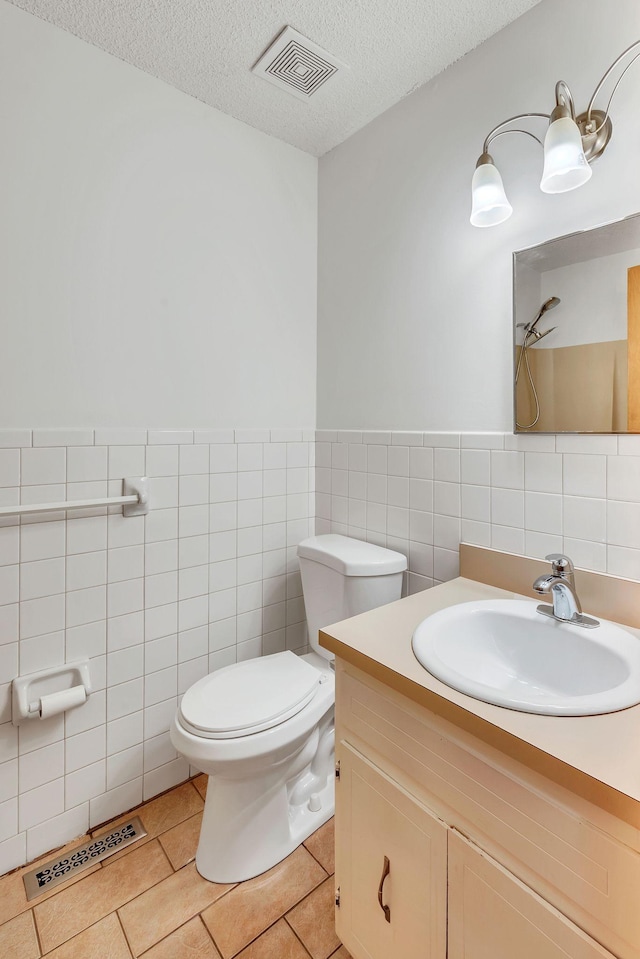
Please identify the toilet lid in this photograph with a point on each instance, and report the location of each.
(248, 697)
(351, 557)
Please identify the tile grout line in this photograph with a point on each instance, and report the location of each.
(262, 933)
(124, 931)
(209, 933)
(174, 872)
(133, 898)
(282, 916)
(36, 930)
(86, 929)
(329, 874)
(297, 936)
(198, 915)
(295, 933)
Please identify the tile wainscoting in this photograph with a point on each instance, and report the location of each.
(208, 577)
(424, 493)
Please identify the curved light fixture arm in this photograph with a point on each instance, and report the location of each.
(564, 98)
(521, 116)
(616, 85)
(527, 133)
(608, 71)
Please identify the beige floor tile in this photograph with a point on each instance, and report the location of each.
(13, 899)
(75, 909)
(159, 908)
(18, 938)
(321, 846)
(166, 906)
(278, 942)
(105, 940)
(191, 941)
(313, 921)
(200, 782)
(181, 842)
(160, 814)
(240, 916)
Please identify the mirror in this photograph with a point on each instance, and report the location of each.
(576, 306)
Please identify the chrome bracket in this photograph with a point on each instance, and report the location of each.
(594, 144)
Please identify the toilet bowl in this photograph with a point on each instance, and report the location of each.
(263, 729)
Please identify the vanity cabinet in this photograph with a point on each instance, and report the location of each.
(487, 859)
(393, 866)
(494, 916)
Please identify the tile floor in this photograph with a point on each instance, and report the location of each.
(148, 900)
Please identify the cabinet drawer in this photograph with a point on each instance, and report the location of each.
(589, 875)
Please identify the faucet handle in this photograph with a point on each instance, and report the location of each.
(561, 565)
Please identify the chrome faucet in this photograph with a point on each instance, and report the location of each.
(561, 584)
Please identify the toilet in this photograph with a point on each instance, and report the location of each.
(263, 731)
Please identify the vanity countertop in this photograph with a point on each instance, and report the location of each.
(598, 756)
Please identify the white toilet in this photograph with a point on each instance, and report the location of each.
(262, 730)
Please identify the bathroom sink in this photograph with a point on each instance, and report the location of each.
(505, 652)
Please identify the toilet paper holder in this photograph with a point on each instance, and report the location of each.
(50, 692)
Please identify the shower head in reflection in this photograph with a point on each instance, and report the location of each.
(531, 337)
(549, 304)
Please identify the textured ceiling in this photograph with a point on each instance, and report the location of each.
(206, 48)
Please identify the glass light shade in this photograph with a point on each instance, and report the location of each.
(489, 201)
(565, 165)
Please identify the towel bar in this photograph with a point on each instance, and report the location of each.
(135, 501)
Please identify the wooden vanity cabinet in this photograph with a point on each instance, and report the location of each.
(392, 853)
(473, 855)
(492, 915)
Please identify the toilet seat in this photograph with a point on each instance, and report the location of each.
(249, 697)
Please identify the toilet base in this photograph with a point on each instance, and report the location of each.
(267, 791)
(258, 833)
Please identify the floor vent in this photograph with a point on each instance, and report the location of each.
(296, 64)
(61, 868)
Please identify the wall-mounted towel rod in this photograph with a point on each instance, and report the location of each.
(135, 501)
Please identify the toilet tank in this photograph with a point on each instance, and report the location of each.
(342, 577)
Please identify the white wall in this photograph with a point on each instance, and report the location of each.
(157, 258)
(593, 307)
(157, 282)
(414, 310)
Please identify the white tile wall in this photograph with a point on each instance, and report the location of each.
(424, 493)
(208, 578)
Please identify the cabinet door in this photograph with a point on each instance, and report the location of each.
(391, 852)
(492, 915)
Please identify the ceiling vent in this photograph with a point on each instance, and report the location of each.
(297, 65)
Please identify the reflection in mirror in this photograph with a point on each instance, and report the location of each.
(577, 332)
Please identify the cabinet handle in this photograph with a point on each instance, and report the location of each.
(386, 869)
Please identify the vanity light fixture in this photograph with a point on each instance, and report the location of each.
(570, 146)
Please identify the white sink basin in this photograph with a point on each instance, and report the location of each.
(506, 653)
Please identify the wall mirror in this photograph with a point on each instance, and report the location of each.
(576, 308)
